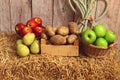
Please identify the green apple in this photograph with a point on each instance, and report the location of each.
(35, 47)
(22, 50)
(101, 42)
(28, 39)
(19, 41)
(110, 36)
(89, 36)
(100, 30)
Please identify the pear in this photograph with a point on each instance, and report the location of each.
(22, 50)
(19, 41)
(35, 47)
(28, 39)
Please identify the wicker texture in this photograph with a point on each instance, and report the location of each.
(96, 51)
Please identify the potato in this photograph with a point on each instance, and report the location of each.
(58, 40)
(66, 36)
(55, 29)
(42, 41)
(49, 31)
(62, 30)
(44, 36)
(73, 27)
(71, 38)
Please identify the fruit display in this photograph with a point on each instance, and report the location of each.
(61, 35)
(99, 36)
(33, 25)
(30, 35)
(28, 44)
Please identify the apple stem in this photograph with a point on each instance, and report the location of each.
(86, 8)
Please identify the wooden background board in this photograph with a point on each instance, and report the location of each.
(43, 9)
(52, 13)
(5, 22)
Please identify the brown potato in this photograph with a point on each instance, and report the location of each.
(49, 31)
(58, 40)
(62, 30)
(55, 29)
(71, 38)
(66, 36)
(44, 36)
(73, 27)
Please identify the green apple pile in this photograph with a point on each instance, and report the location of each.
(28, 44)
(99, 36)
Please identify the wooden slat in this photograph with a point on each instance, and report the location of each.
(61, 16)
(59, 50)
(43, 9)
(20, 11)
(112, 18)
(4, 15)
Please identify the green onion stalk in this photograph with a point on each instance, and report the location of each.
(86, 9)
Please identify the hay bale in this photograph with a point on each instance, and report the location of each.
(47, 67)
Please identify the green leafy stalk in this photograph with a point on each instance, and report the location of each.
(86, 8)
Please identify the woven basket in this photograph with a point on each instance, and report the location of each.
(96, 51)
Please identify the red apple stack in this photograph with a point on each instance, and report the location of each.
(33, 25)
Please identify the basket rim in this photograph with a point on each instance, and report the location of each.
(99, 47)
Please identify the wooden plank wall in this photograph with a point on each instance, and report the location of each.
(52, 13)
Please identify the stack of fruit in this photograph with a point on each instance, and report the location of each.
(30, 34)
(33, 26)
(99, 36)
(28, 44)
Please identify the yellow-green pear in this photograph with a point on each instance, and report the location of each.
(19, 41)
(28, 39)
(35, 47)
(22, 50)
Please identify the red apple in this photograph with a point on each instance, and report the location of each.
(18, 28)
(38, 21)
(31, 23)
(38, 31)
(26, 30)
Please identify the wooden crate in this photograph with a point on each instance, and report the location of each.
(60, 50)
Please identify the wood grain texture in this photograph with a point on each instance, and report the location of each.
(43, 9)
(112, 19)
(59, 50)
(5, 15)
(61, 16)
(20, 11)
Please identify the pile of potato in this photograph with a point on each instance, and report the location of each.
(61, 35)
